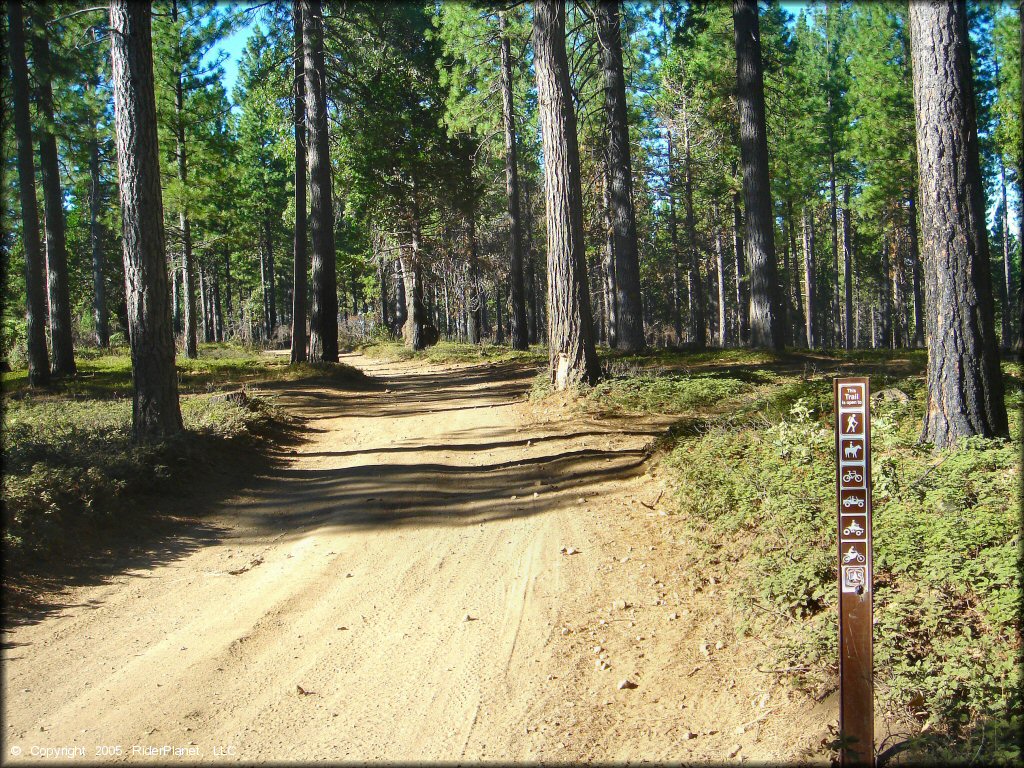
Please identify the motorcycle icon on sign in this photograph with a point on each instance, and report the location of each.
(854, 529)
(853, 556)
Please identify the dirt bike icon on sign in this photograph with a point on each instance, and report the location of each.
(853, 556)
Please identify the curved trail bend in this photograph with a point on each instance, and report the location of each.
(396, 589)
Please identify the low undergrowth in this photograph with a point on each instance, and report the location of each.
(445, 352)
(756, 494)
(71, 469)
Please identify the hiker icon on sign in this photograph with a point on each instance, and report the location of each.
(852, 424)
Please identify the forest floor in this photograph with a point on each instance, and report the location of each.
(440, 569)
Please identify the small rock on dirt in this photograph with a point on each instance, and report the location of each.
(620, 605)
(687, 735)
(735, 750)
(626, 684)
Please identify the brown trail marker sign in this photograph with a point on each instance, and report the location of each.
(853, 501)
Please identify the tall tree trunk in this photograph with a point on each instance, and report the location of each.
(847, 268)
(885, 294)
(187, 259)
(99, 292)
(1006, 294)
(531, 258)
(323, 332)
(218, 316)
(518, 330)
(385, 306)
(62, 362)
(965, 383)
(799, 324)
(401, 312)
(697, 305)
(673, 238)
(267, 281)
(809, 279)
(299, 265)
(629, 308)
(742, 282)
(155, 410)
(765, 312)
(227, 288)
(413, 272)
(723, 335)
(474, 296)
(572, 356)
(35, 305)
(915, 258)
(834, 327)
(611, 301)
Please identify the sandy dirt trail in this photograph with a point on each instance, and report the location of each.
(396, 589)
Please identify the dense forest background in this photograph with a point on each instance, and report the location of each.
(418, 150)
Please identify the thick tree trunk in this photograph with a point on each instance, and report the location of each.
(629, 308)
(847, 268)
(35, 305)
(572, 357)
(299, 265)
(518, 330)
(765, 312)
(965, 383)
(401, 313)
(698, 332)
(742, 283)
(155, 410)
(412, 270)
(62, 362)
(323, 332)
(809, 278)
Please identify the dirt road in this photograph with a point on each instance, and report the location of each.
(398, 588)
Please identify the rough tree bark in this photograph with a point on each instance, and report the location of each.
(572, 357)
(965, 384)
(35, 306)
(269, 284)
(608, 263)
(412, 271)
(323, 316)
(62, 361)
(155, 410)
(765, 313)
(673, 238)
(629, 309)
(299, 282)
(518, 330)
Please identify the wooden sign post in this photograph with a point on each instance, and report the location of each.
(853, 500)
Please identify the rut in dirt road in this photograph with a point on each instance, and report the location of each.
(390, 591)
